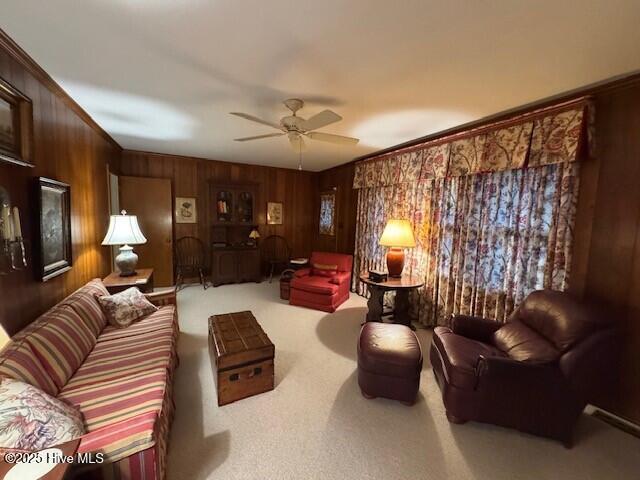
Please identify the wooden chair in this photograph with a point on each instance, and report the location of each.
(275, 252)
(191, 260)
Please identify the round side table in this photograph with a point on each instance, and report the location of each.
(402, 286)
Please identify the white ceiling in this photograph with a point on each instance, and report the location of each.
(162, 75)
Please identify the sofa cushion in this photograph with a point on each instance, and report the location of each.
(342, 261)
(31, 420)
(62, 343)
(303, 272)
(20, 362)
(324, 270)
(125, 356)
(559, 317)
(119, 440)
(164, 319)
(315, 284)
(118, 399)
(522, 343)
(123, 308)
(460, 356)
(84, 302)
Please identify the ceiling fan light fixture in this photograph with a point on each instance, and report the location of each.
(293, 104)
(295, 127)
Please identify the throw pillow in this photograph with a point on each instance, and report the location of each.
(324, 270)
(124, 308)
(31, 420)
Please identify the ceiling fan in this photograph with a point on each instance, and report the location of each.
(296, 127)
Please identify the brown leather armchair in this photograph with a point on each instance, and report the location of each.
(535, 373)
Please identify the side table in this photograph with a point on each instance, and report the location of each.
(143, 279)
(402, 286)
(285, 283)
(298, 263)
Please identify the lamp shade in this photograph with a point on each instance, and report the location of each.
(254, 234)
(398, 233)
(4, 338)
(124, 230)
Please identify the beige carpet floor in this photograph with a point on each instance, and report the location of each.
(316, 424)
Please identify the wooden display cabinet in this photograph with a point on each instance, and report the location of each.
(235, 265)
(233, 204)
(233, 260)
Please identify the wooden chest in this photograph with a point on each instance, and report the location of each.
(243, 355)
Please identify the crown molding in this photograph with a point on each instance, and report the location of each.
(593, 89)
(146, 153)
(22, 57)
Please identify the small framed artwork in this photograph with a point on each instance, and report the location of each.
(186, 211)
(327, 213)
(275, 213)
(54, 228)
(16, 126)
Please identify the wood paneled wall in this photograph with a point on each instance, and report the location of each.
(340, 178)
(607, 238)
(191, 177)
(70, 147)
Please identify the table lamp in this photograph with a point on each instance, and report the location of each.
(398, 235)
(254, 236)
(4, 338)
(124, 230)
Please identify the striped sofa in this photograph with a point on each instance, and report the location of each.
(119, 378)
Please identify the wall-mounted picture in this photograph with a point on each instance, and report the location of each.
(327, 213)
(275, 213)
(16, 123)
(55, 228)
(186, 211)
(7, 131)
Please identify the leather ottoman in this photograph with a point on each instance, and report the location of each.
(389, 362)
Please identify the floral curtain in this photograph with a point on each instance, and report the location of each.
(492, 216)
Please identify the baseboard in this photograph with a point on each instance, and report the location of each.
(613, 420)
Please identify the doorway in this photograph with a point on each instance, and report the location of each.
(152, 201)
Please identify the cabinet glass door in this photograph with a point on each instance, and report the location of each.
(245, 207)
(224, 206)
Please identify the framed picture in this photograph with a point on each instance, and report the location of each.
(327, 213)
(54, 228)
(186, 211)
(275, 213)
(16, 126)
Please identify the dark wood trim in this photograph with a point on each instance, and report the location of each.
(18, 54)
(15, 161)
(620, 81)
(227, 162)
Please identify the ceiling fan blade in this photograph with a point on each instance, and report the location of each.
(251, 118)
(330, 137)
(297, 143)
(257, 137)
(322, 119)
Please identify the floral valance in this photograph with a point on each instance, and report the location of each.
(403, 168)
(532, 140)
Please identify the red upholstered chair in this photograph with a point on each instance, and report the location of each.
(325, 284)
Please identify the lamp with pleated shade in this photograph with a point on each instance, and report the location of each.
(254, 236)
(4, 338)
(124, 230)
(398, 235)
